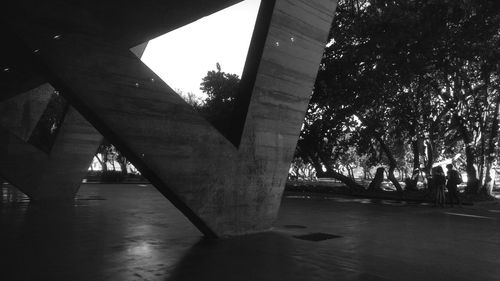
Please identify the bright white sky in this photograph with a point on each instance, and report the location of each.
(184, 56)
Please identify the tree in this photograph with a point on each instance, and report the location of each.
(419, 76)
(221, 89)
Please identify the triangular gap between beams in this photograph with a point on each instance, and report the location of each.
(184, 57)
(35, 116)
(20, 113)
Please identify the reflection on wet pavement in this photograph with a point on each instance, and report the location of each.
(469, 216)
(125, 232)
(127, 236)
(360, 200)
(11, 195)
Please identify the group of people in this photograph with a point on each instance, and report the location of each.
(451, 181)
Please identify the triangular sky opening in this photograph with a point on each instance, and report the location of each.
(229, 41)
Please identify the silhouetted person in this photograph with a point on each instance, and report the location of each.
(454, 178)
(439, 181)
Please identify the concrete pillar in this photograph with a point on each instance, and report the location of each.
(222, 188)
(20, 114)
(52, 176)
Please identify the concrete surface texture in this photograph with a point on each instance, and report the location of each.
(20, 114)
(222, 188)
(54, 175)
(130, 232)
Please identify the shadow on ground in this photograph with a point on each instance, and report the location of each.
(264, 256)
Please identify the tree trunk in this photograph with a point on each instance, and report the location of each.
(368, 175)
(482, 159)
(376, 183)
(490, 153)
(104, 167)
(317, 163)
(387, 151)
(472, 181)
(123, 164)
(344, 179)
(411, 183)
(392, 164)
(393, 179)
(350, 171)
(489, 182)
(430, 156)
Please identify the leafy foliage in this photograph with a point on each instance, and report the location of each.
(221, 89)
(403, 80)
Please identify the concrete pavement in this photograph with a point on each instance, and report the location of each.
(127, 232)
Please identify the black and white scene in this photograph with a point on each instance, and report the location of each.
(250, 140)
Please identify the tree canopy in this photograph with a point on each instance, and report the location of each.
(221, 89)
(407, 81)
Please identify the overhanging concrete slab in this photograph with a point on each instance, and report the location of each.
(222, 189)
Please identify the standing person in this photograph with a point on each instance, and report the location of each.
(439, 180)
(454, 178)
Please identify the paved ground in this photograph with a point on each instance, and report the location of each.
(130, 232)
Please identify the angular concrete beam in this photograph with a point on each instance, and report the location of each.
(20, 114)
(222, 189)
(44, 177)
